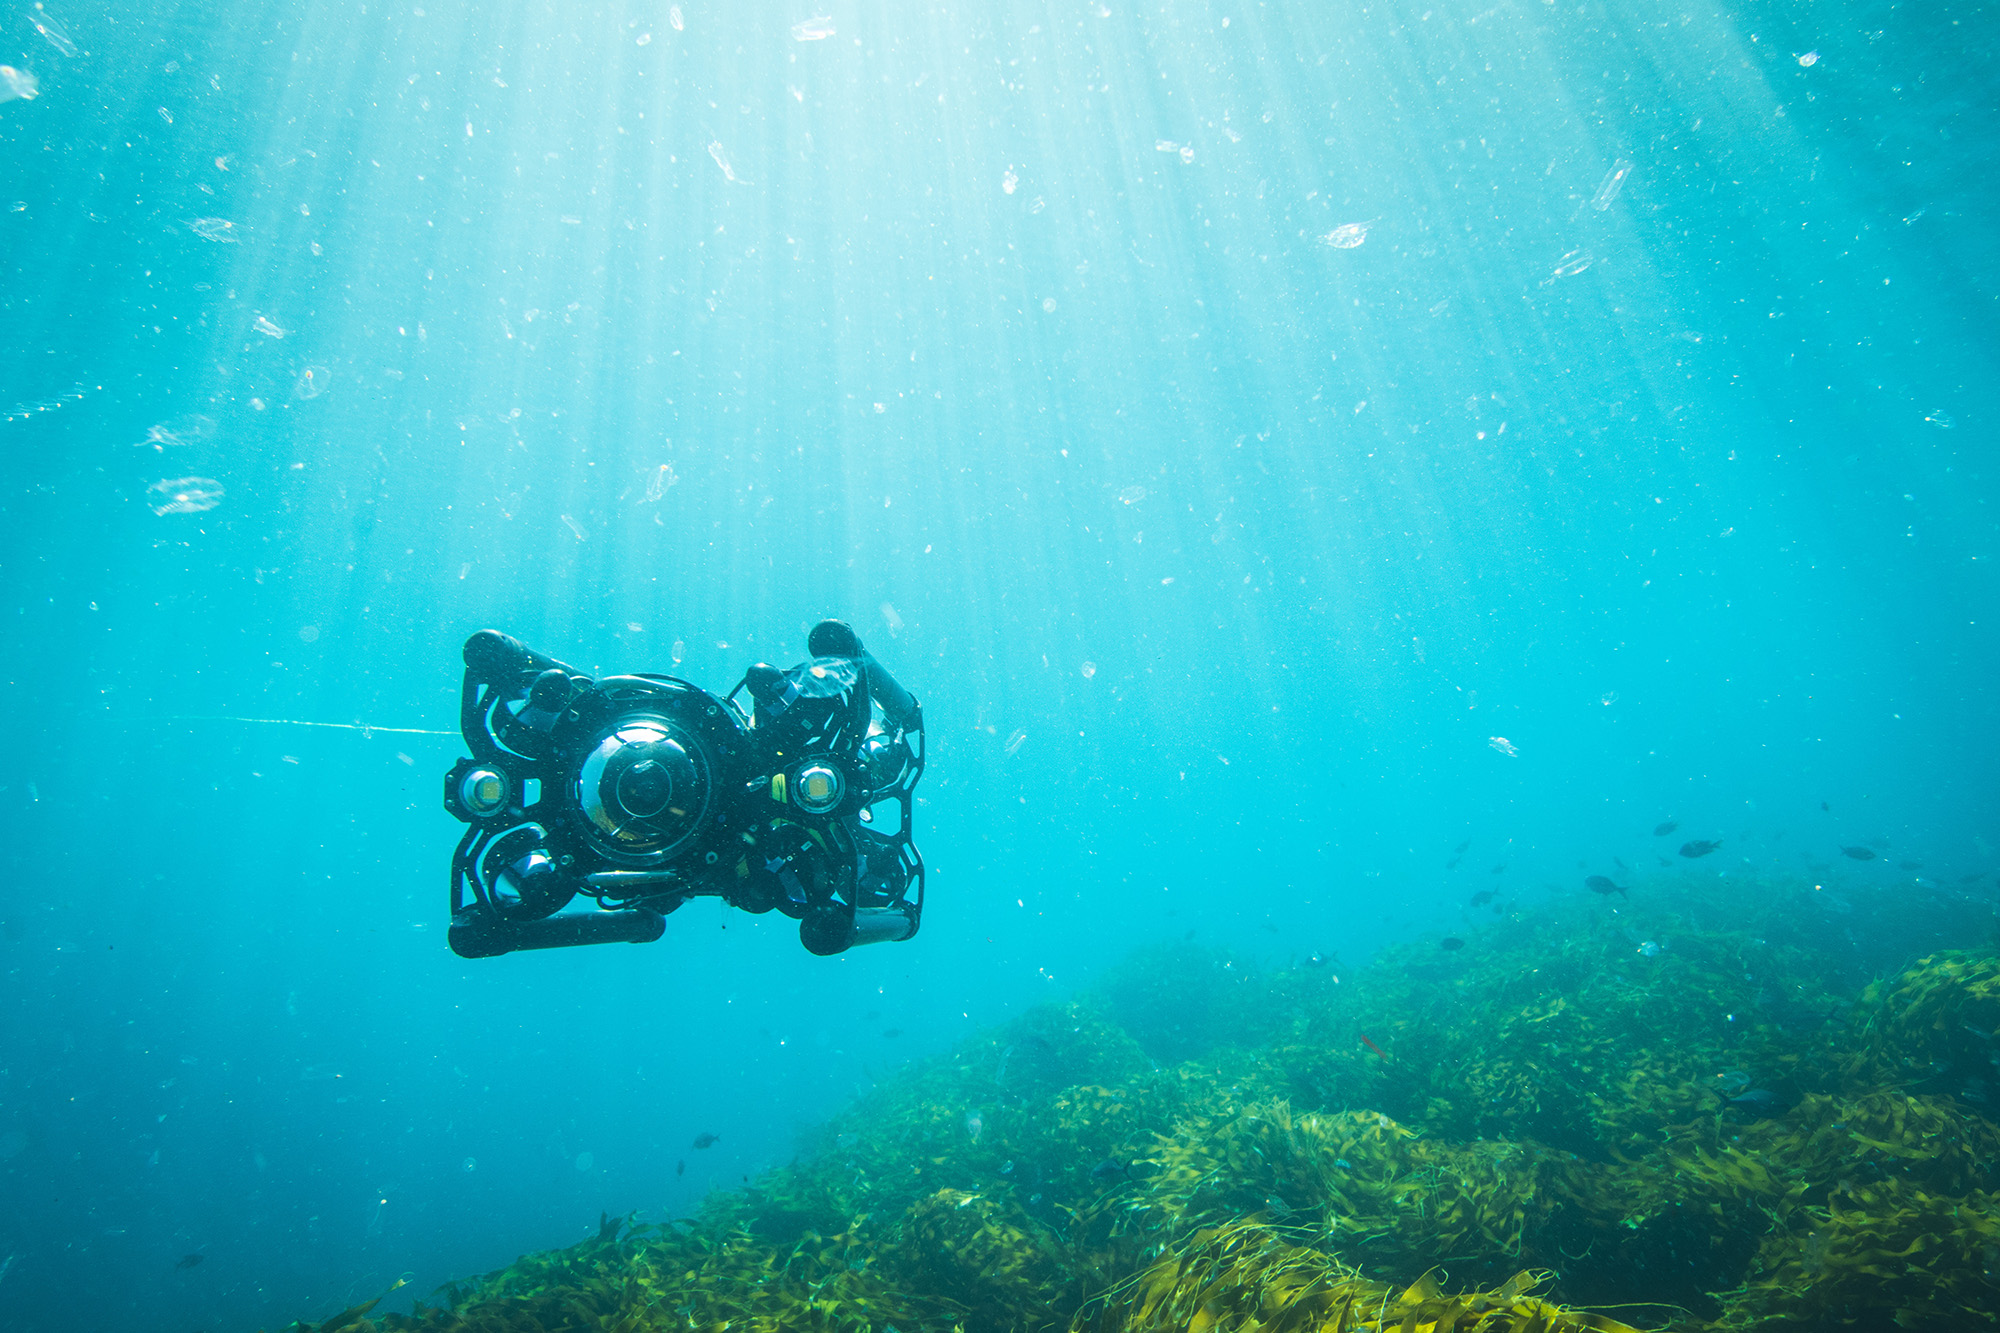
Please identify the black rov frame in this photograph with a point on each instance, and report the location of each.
(637, 793)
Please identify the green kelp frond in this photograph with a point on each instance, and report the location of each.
(1244, 1276)
(1683, 1110)
(1927, 1261)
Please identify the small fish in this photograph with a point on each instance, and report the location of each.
(1600, 884)
(892, 1033)
(706, 1139)
(1621, 865)
(1461, 848)
(1500, 869)
(1108, 1168)
(1373, 1047)
(1824, 806)
(681, 1167)
(1451, 944)
(1662, 829)
(189, 1261)
(1858, 853)
(1699, 847)
(1756, 1099)
(1483, 897)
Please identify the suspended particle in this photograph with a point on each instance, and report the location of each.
(1571, 264)
(1613, 182)
(184, 495)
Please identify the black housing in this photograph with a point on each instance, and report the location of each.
(596, 807)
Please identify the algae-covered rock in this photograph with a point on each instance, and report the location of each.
(1689, 1118)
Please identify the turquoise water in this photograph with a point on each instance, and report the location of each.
(1281, 444)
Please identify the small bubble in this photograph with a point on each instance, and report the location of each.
(1088, 669)
(309, 634)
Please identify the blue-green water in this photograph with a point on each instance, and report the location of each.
(1279, 443)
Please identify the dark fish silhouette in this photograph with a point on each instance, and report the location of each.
(1620, 864)
(1483, 897)
(1600, 884)
(892, 1033)
(1460, 849)
(707, 1140)
(681, 1167)
(1662, 830)
(1107, 1168)
(1699, 847)
(1858, 853)
(1451, 944)
(189, 1260)
(1500, 869)
(1824, 806)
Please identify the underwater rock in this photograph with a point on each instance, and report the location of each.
(1724, 1127)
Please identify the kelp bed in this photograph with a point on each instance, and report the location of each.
(1437, 1143)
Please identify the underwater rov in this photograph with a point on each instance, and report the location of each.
(636, 793)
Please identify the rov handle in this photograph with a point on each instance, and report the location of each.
(477, 933)
(497, 658)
